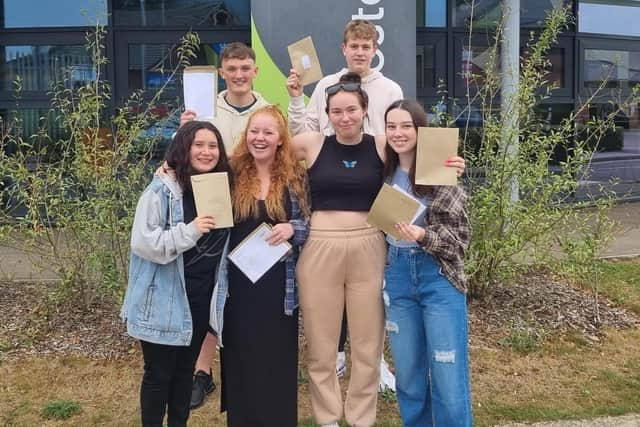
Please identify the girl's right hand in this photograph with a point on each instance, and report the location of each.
(205, 223)
(187, 116)
(294, 87)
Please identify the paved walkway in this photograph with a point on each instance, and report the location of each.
(630, 420)
(626, 243)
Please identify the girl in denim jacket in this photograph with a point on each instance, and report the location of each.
(175, 259)
(425, 287)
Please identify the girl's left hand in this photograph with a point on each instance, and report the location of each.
(456, 162)
(410, 232)
(280, 233)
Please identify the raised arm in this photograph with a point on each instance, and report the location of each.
(301, 118)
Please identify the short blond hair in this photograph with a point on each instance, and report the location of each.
(360, 29)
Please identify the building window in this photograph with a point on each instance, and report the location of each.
(181, 12)
(601, 18)
(41, 66)
(431, 13)
(425, 66)
(555, 70)
(151, 65)
(616, 69)
(38, 13)
(488, 13)
(31, 122)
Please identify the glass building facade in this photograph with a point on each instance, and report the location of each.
(43, 42)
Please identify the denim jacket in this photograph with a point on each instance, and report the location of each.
(155, 305)
(300, 225)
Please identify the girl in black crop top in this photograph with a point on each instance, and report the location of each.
(342, 263)
(345, 266)
(345, 177)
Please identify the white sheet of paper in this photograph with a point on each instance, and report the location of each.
(200, 91)
(306, 62)
(254, 256)
(420, 209)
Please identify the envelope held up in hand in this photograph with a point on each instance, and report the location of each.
(435, 146)
(304, 60)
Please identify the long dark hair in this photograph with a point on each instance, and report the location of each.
(177, 156)
(392, 160)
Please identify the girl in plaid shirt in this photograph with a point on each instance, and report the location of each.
(425, 287)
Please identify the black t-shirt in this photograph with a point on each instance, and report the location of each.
(201, 261)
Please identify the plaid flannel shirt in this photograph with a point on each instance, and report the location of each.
(447, 232)
(300, 225)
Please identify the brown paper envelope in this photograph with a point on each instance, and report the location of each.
(212, 197)
(435, 146)
(304, 60)
(390, 207)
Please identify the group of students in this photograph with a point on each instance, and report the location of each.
(356, 133)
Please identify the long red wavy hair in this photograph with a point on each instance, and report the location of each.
(286, 173)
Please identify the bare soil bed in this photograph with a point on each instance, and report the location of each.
(32, 324)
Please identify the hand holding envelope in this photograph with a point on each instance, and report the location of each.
(392, 206)
(304, 61)
(200, 91)
(254, 256)
(435, 146)
(212, 197)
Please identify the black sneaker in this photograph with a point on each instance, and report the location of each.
(202, 385)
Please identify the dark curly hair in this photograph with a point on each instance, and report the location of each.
(177, 156)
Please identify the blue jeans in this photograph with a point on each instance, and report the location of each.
(427, 327)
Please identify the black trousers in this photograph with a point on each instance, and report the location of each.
(168, 376)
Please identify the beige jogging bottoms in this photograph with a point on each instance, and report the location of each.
(338, 267)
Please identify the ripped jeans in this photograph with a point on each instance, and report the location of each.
(427, 327)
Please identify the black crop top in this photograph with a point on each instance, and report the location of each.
(345, 177)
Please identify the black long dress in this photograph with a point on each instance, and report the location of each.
(260, 354)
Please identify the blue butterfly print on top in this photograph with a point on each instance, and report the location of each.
(349, 163)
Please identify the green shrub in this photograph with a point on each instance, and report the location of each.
(69, 200)
(60, 409)
(519, 207)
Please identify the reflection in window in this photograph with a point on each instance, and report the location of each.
(616, 69)
(31, 122)
(68, 13)
(425, 66)
(431, 13)
(607, 18)
(555, 70)
(41, 66)
(151, 65)
(488, 13)
(476, 61)
(181, 12)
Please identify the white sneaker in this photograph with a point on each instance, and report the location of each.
(341, 367)
(387, 379)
